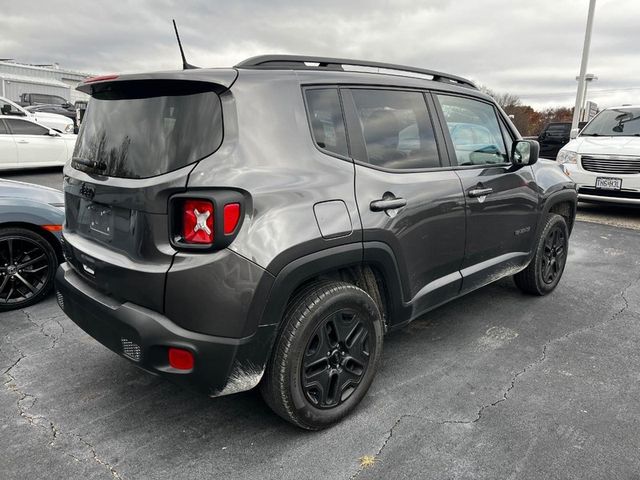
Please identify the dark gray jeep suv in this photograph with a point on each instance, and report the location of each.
(267, 224)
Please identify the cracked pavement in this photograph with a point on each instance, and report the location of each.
(494, 385)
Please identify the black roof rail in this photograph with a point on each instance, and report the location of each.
(298, 62)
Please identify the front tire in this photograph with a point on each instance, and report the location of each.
(545, 269)
(326, 356)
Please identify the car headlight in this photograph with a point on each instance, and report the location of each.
(68, 128)
(567, 156)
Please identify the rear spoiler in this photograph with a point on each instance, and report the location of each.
(220, 78)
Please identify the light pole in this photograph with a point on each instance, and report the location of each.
(583, 69)
(588, 78)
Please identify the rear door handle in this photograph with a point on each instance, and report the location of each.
(385, 204)
(480, 192)
(22, 141)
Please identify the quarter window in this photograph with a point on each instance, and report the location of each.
(327, 122)
(474, 130)
(20, 127)
(397, 129)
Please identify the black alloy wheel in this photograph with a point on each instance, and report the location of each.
(27, 267)
(555, 255)
(326, 354)
(545, 269)
(335, 359)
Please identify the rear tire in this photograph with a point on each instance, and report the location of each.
(28, 265)
(547, 265)
(326, 355)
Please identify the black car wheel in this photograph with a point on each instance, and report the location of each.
(326, 356)
(546, 268)
(27, 266)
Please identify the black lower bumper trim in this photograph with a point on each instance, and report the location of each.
(222, 365)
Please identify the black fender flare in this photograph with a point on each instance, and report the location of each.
(555, 198)
(275, 292)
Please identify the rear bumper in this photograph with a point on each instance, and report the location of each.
(222, 365)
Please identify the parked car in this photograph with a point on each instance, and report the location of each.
(54, 121)
(604, 159)
(31, 219)
(27, 144)
(267, 224)
(40, 102)
(554, 136)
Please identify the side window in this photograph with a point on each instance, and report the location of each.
(327, 122)
(3, 128)
(8, 109)
(508, 138)
(475, 131)
(398, 133)
(20, 127)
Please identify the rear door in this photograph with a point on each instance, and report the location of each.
(408, 196)
(35, 146)
(8, 150)
(139, 142)
(501, 199)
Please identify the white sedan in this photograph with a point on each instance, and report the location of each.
(50, 120)
(27, 144)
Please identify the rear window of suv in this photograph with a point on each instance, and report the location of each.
(141, 129)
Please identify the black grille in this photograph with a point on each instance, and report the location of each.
(612, 165)
(131, 349)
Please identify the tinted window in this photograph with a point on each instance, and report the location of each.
(49, 99)
(397, 129)
(475, 131)
(3, 129)
(20, 127)
(9, 109)
(616, 122)
(146, 128)
(327, 123)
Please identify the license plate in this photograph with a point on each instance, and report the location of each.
(100, 219)
(607, 183)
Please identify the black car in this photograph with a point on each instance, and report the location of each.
(41, 102)
(31, 219)
(267, 224)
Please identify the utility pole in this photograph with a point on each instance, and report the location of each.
(583, 69)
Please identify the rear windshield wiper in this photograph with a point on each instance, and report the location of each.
(89, 163)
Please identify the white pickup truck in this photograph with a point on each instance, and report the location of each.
(50, 120)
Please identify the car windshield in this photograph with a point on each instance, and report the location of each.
(615, 122)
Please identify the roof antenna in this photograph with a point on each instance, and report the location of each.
(185, 64)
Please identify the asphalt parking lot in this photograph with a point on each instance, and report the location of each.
(494, 385)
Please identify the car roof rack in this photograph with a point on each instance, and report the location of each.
(297, 62)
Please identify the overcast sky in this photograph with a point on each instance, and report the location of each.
(527, 47)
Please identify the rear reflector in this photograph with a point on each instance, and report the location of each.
(197, 221)
(180, 359)
(231, 217)
(52, 228)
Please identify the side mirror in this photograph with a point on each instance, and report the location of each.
(574, 133)
(525, 152)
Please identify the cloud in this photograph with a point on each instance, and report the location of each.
(529, 48)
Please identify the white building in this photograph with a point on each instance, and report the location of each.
(18, 78)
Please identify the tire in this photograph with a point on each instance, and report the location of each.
(547, 265)
(28, 265)
(326, 355)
